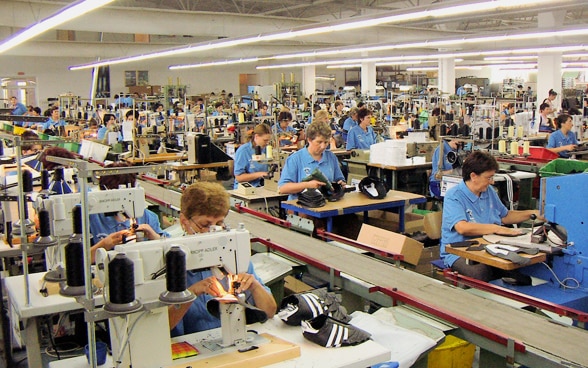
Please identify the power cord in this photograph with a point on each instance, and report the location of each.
(562, 282)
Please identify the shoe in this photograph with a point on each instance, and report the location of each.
(304, 306)
(330, 333)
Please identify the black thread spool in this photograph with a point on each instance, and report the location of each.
(175, 267)
(496, 132)
(58, 174)
(27, 181)
(74, 269)
(44, 179)
(1, 148)
(481, 133)
(489, 133)
(44, 223)
(258, 150)
(454, 130)
(121, 278)
(76, 214)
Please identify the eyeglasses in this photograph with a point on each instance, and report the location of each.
(489, 178)
(205, 228)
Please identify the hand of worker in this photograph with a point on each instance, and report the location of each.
(570, 147)
(209, 285)
(246, 282)
(148, 231)
(501, 230)
(113, 239)
(314, 184)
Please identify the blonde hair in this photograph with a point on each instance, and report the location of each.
(322, 116)
(260, 129)
(205, 198)
(317, 128)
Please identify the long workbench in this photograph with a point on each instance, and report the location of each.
(479, 320)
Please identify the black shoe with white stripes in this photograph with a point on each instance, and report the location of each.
(330, 333)
(300, 307)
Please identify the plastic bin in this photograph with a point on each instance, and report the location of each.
(562, 166)
(453, 353)
(540, 153)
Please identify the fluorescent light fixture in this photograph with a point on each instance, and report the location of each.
(213, 63)
(343, 25)
(510, 58)
(422, 58)
(423, 69)
(344, 66)
(64, 15)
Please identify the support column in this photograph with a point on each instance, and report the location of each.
(446, 75)
(548, 65)
(308, 80)
(368, 78)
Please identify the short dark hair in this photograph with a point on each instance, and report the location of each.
(362, 113)
(114, 181)
(37, 110)
(218, 104)
(285, 115)
(131, 113)
(561, 120)
(543, 106)
(57, 152)
(478, 162)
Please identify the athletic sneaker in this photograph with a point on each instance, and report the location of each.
(300, 307)
(330, 333)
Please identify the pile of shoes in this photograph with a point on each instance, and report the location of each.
(311, 198)
(323, 319)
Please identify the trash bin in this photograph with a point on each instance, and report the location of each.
(453, 353)
(562, 166)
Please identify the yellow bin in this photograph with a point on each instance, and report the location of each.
(453, 353)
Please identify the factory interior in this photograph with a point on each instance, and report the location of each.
(293, 183)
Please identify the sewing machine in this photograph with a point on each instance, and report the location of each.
(149, 343)
(130, 201)
(563, 203)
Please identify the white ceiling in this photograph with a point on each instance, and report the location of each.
(110, 32)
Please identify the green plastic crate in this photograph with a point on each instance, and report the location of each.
(562, 166)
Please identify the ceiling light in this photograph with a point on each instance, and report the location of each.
(213, 63)
(64, 15)
(423, 69)
(343, 25)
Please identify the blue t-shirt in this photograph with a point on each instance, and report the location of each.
(51, 124)
(101, 225)
(558, 139)
(358, 138)
(300, 164)
(244, 163)
(19, 109)
(288, 130)
(347, 125)
(197, 317)
(435, 162)
(460, 204)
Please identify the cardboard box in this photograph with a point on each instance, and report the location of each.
(389, 221)
(392, 242)
(295, 286)
(207, 175)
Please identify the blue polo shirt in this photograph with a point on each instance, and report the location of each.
(300, 164)
(19, 109)
(358, 138)
(101, 226)
(558, 139)
(51, 124)
(347, 125)
(435, 162)
(244, 163)
(460, 204)
(197, 317)
(288, 130)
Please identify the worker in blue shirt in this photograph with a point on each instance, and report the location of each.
(286, 133)
(108, 230)
(303, 162)
(563, 140)
(361, 136)
(350, 122)
(472, 209)
(441, 167)
(17, 107)
(53, 124)
(263, 111)
(246, 169)
(110, 125)
(204, 205)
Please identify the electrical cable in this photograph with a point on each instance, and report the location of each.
(51, 340)
(128, 337)
(562, 282)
